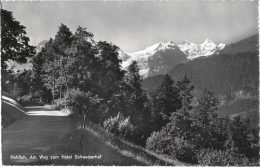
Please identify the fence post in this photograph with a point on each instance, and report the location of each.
(84, 123)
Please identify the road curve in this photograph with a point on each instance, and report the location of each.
(33, 135)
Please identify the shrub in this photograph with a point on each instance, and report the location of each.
(220, 158)
(159, 142)
(184, 150)
(82, 102)
(119, 125)
(59, 103)
(27, 99)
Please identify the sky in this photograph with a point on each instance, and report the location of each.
(135, 25)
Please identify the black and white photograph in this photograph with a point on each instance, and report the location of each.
(130, 83)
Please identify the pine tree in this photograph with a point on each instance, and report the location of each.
(185, 89)
(206, 121)
(180, 124)
(165, 101)
(137, 96)
(137, 103)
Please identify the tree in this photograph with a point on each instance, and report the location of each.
(137, 103)
(165, 101)
(61, 43)
(185, 89)
(136, 95)
(210, 127)
(38, 87)
(242, 138)
(81, 61)
(110, 76)
(14, 42)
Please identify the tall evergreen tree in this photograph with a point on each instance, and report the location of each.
(136, 95)
(206, 121)
(185, 89)
(165, 101)
(180, 124)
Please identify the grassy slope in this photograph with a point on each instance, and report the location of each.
(114, 150)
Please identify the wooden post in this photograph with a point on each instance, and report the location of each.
(84, 122)
(61, 78)
(54, 81)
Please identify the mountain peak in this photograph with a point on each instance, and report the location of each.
(207, 41)
(170, 43)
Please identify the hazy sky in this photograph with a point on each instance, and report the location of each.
(137, 24)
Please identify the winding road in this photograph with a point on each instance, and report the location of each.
(33, 135)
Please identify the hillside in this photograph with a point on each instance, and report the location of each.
(232, 73)
(249, 44)
(225, 75)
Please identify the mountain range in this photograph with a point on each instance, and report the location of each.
(227, 72)
(162, 57)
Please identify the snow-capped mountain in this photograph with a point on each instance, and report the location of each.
(156, 59)
(122, 55)
(161, 57)
(207, 48)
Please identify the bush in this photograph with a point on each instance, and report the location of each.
(220, 158)
(119, 125)
(159, 142)
(184, 150)
(163, 143)
(81, 102)
(27, 99)
(59, 103)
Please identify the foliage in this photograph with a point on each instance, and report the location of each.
(241, 138)
(119, 125)
(59, 103)
(14, 42)
(25, 99)
(184, 150)
(82, 103)
(28, 99)
(210, 128)
(159, 142)
(165, 100)
(194, 129)
(136, 95)
(211, 157)
(108, 77)
(232, 73)
(181, 122)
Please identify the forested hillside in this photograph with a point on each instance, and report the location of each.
(232, 73)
